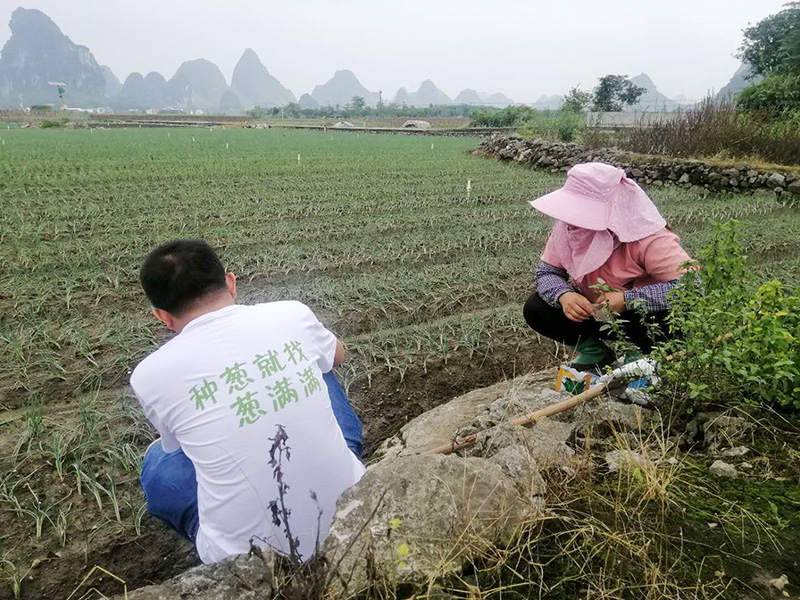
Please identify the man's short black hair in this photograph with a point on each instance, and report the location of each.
(178, 273)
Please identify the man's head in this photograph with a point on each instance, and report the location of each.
(184, 279)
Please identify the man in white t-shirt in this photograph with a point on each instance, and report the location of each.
(217, 392)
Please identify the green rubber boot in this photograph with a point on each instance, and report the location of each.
(593, 355)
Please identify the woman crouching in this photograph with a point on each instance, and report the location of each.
(608, 235)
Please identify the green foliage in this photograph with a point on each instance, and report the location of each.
(562, 125)
(613, 92)
(739, 345)
(510, 116)
(777, 96)
(576, 101)
(773, 44)
(48, 124)
(357, 103)
(42, 107)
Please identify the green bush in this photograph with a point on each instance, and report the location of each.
(48, 124)
(739, 345)
(777, 96)
(507, 117)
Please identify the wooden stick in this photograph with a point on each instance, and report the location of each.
(547, 411)
(553, 409)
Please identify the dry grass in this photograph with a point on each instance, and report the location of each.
(710, 129)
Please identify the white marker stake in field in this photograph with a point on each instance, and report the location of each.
(298, 158)
(469, 187)
(227, 146)
(169, 135)
(431, 146)
(192, 139)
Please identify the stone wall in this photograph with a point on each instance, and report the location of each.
(647, 170)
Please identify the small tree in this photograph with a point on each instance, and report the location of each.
(772, 46)
(615, 91)
(357, 103)
(576, 101)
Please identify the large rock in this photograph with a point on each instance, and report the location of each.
(242, 577)
(488, 411)
(413, 518)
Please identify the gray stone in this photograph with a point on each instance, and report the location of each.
(605, 417)
(684, 178)
(478, 409)
(243, 577)
(723, 469)
(415, 517)
(776, 179)
(735, 452)
(794, 187)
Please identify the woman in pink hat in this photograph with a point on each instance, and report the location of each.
(606, 229)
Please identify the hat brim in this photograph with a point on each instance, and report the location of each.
(573, 209)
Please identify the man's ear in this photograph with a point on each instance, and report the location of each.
(230, 283)
(165, 317)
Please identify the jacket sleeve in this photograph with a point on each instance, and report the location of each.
(551, 283)
(654, 296)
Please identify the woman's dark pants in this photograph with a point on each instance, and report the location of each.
(552, 323)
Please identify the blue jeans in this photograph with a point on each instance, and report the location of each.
(170, 483)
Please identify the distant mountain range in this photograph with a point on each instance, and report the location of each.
(38, 56)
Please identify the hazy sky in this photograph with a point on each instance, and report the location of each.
(523, 48)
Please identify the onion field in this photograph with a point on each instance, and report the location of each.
(417, 254)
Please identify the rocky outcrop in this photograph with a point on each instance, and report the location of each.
(651, 99)
(242, 577)
(498, 100)
(197, 84)
(341, 89)
(38, 53)
(429, 95)
(468, 96)
(742, 78)
(307, 101)
(142, 93)
(647, 170)
(254, 85)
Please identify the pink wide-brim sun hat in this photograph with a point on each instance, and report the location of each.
(586, 198)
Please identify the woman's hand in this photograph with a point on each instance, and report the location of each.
(576, 306)
(614, 300)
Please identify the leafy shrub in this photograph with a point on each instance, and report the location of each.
(48, 124)
(777, 96)
(510, 116)
(739, 345)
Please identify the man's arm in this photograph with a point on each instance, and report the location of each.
(338, 358)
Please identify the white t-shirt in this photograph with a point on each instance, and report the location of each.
(218, 389)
